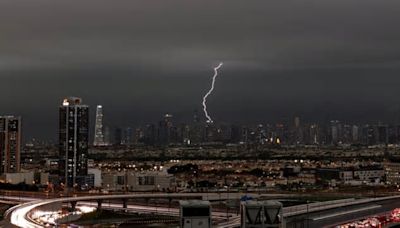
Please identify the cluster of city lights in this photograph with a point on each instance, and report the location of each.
(51, 218)
(375, 221)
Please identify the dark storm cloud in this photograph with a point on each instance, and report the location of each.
(321, 59)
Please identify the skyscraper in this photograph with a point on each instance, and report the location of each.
(298, 131)
(164, 130)
(107, 136)
(335, 131)
(354, 133)
(128, 136)
(196, 118)
(118, 136)
(73, 140)
(10, 144)
(314, 134)
(150, 134)
(98, 129)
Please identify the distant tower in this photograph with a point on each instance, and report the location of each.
(298, 131)
(150, 134)
(73, 141)
(296, 122)
(10, 144)
(128, 136)
(107, 136)
(314, 134)
(118, 136)
(164, 130)
(335, 131)
(98, 128)
(354, 134)
(196, 118)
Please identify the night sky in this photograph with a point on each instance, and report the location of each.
(321, 60)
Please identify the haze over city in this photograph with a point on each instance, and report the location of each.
(317, 59)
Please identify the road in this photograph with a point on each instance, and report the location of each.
(312, 215)
(18, 214)
(340, 215)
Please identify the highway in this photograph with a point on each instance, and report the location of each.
(18, 215)
(330, 213)
(149, 209)
(312, 215)
(343, 213)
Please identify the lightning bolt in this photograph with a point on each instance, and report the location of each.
(209, 120)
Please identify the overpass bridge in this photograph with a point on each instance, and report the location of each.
(19, 215)
(315, 214)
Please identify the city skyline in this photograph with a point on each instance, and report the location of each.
(167, 131)
(196, 116)
(124, 56)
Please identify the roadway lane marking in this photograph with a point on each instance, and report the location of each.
(346, 212)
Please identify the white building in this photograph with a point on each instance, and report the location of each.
(16, 178)
(138, 181)
(97, 176)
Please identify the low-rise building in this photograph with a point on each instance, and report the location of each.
(392, 173)
(372, 173)
(17, 178)
(138, 181)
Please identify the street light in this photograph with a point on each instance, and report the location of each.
(308, 219)
(227, 201)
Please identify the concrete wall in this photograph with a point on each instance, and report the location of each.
(16, 178)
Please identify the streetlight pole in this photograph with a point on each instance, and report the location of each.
(308, 218)
(227, 202)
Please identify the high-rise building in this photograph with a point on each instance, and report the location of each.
(296, 122)
(210, 132)
(128, 136)
(149, 134)
(382, 136)
(314, 134)
(196, 117)
(98, 128)
(369, 135)
(355, 137)
(107, 136)
(165, 129)
(392, 134)
(73, 141)
(235, 134)
(139, 135)
(117, 136)
(298, 133)
(335, 131)
(10, 144)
